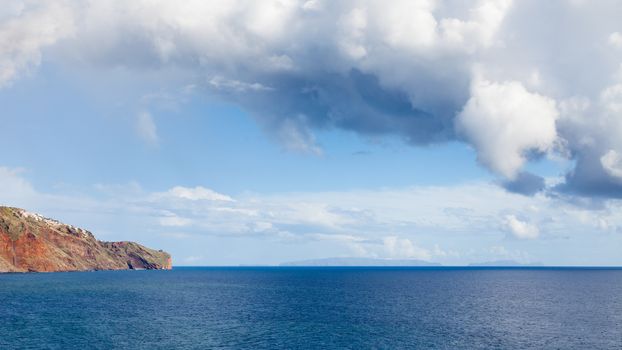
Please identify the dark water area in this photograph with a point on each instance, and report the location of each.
(314, 308)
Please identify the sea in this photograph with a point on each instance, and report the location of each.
(314, 308)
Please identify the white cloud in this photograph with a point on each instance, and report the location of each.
(611, 98)
(521, 229)
(404, 248)
(499, 252)
(177, 235)
(262, 226)
(26, 31)
(612, 163)
(174, 221)
(297, 137)
(225, 84)
(486, 17)
(615, 40)
(504, 121)
(14, 188)
(194, 259)
(198, 193)
(388, 247)
(454, 224)
(352, 27)
(146, 128)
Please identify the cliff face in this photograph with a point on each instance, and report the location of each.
(30, 242)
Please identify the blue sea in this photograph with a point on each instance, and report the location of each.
(314, 308)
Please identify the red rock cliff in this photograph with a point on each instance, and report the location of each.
(30, 242)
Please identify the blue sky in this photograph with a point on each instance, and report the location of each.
(258, 133)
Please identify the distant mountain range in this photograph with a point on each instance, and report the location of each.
(360, 262)
(30, 242)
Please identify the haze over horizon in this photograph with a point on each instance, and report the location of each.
(244, 132)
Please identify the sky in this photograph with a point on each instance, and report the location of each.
(244, 132)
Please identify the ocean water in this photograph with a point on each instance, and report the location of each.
(314, 308)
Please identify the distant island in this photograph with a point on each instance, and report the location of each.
(352, 261)
(30, 242)
(503, 263)
(360, 262)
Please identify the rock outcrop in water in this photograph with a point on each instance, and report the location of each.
(31, 242)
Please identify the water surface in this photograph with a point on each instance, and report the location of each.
(314, 308)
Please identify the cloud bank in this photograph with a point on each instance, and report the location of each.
(515, 80)
(452, 225)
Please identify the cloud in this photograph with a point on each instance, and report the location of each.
(590, 131)
(197, 193)
(25, 30)
(492, 73)
(146, 128)
(453, 224)
(403, 248)
(225, 84)
(612, 164)
(14, 188)
(296, 136)
(504, 122)
(525, 183)
(521, 229)
(502, 253)
(192, 259)
(615, 40)
(265, 58)
(173, 220)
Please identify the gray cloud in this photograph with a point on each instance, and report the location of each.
(525, 183)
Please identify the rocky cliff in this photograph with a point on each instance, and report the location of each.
(31, 242)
